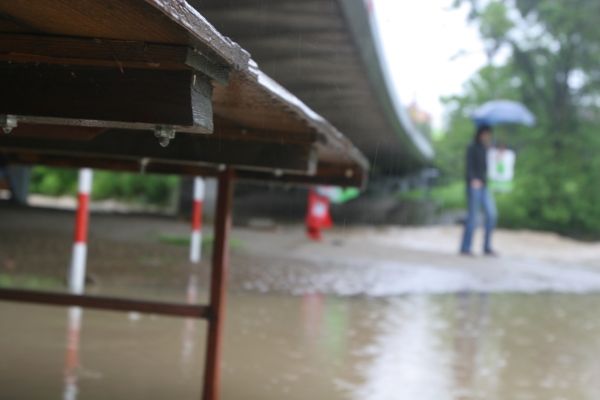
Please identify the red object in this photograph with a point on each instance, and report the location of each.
(318, 216)
(82, 217)
(197, 215)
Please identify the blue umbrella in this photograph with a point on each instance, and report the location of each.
(498, 112)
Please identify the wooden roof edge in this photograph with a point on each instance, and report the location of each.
(329, 135)
(186, 16)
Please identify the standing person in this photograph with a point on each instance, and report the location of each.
(478, 195)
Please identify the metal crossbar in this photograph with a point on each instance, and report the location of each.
(105, 303)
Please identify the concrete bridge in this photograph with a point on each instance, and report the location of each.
(328, 53)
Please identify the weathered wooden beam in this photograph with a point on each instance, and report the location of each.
(106, 97)
(104, 303)
(119, 54)
(223, 129)
(228, 129)
(186, 148)
(142, 165)
(57, 131)
(156, 21)
(325, 174)
(200, 30)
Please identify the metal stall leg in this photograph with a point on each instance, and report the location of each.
(218, 286)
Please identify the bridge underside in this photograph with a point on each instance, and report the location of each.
(325, 52)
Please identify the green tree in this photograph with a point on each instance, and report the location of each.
(129, 187)
(553, 52)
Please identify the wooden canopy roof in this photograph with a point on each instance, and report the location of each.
(150, 85)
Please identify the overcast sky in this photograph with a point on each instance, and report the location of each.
(420, 39)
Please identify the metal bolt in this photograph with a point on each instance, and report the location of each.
(8, 123)
(164, 134)
(144, 164)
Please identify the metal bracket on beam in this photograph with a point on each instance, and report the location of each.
(164, 134)
(144, 165)
(8, 123)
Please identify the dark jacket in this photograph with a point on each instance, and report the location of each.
(476, 163)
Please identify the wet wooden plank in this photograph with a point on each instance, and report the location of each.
(325, 174)
(232, 129)
(119, 54)
(155, 21)
(107, 97)
(188, 17)
(104, 303)
(349, 175)
(57, 132)
(141, 166)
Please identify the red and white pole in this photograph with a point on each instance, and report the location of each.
(196, 239)
(77, 283)
(79, 257)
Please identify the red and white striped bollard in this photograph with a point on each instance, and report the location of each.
(196, 238)
(77, 283)
(79, 257)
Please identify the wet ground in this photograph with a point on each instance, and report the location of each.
(391, 314)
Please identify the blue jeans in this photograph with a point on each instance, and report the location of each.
(477, 199)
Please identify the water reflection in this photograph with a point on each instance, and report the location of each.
(469, 325)
(189, 335)
(326, 322)
(408, 359)
(312, 315)
(74, 318)
(450, 347)
(471, 347)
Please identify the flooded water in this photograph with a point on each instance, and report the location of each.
(461, 346)
(364, 317)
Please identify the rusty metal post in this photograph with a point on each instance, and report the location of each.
(218, 286)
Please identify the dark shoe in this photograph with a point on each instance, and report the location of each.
(490, 253)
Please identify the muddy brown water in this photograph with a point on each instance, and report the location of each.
(278, 345)
(463, 346)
